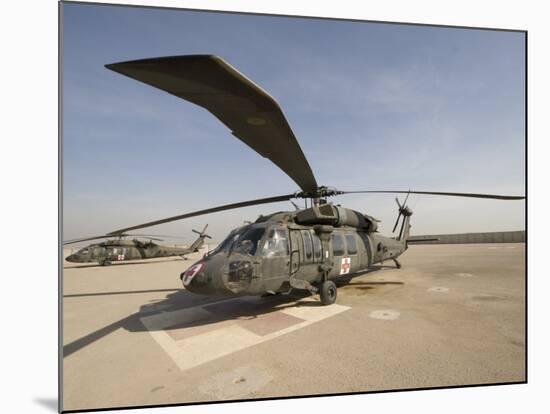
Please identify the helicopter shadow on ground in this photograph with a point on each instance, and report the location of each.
(351, 283)
(183, 299)
(223, 308)
(129, 263)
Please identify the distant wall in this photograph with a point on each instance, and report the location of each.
(464, 238)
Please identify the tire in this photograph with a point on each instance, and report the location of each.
(328, 292)
(105, 263)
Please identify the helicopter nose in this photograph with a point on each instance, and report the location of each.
(71, 258)
(198, 279)
(204, 277)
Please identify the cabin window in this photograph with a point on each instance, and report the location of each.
(337, 245)
(317, 253)
(308, 245)
(276, 244)
(351, 243)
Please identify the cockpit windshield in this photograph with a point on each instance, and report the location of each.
(242, 240)
(226, 244)
(247, 242)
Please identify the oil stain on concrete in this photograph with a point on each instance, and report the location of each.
(240, 382)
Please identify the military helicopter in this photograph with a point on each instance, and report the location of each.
(118, 249)
(310, 248)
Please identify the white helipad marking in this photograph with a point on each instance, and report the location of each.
(438, 289)
(224, 338)
(464, 274)
(386, 314)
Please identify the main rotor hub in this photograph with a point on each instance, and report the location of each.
(320, 192)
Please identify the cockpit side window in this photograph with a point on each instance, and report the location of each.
(308, 245)
(276, 244)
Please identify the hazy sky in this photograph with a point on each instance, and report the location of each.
(374, 106)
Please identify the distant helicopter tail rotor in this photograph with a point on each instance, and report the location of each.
(203, 232)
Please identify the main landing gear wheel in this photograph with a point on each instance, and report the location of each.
(328, 292)
(105, 263)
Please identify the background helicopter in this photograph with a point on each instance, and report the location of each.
(118, 250)
(310, 248)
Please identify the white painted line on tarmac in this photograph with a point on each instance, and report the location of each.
(220, 338)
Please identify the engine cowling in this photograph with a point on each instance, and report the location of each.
(336, 216)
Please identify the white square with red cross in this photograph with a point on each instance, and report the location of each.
(190, 273)
(345, 266)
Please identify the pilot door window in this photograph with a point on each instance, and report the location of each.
(276, 244)
(317, 249)
(308, 246)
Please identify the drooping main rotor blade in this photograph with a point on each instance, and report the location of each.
(85, 239)
(151, 236)
(106, 236)
(247, 110)
(419, 240)
(471, 195)
(206, 211)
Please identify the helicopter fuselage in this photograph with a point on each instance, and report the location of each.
(275, 254)
(123, 250)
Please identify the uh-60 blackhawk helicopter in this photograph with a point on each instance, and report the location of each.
(310, 248)
(118, 249)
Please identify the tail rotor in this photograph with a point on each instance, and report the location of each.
(398, 216)
(203, 232)
(406, 212)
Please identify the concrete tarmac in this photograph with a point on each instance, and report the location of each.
(453, 315)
